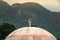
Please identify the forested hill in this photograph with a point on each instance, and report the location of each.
(18, 14)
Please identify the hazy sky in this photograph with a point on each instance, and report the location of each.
(53, 5)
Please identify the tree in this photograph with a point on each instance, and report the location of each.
(34, 25)
(6, 29)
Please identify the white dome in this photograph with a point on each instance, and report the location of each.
(30, 33)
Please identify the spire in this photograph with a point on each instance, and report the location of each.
(29, 21)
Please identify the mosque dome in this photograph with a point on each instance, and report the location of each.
(30, 33)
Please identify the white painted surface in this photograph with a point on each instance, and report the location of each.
(30, 33)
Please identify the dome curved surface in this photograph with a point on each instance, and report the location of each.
(30, 33)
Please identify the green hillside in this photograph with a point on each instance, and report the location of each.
(18, 14)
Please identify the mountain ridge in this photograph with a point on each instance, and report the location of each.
(18, 14)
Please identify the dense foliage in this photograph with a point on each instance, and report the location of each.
(5, 30)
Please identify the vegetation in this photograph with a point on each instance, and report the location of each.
(20, 13)
(5, 30)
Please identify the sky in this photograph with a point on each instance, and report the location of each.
(52, 5)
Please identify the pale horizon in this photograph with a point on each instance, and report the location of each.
(52, 5)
